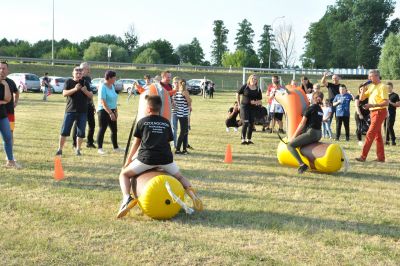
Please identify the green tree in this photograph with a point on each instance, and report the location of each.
(219, 44)
(163, 48)
(240, 58)
(106, 38)
(244, 36)
(131, 40)
(389, 62)
(98, 52)
(191, 53)
(265, 42)
(350, 33)
(148, 56)
(197, 54)
(70, 53)
(235, 59)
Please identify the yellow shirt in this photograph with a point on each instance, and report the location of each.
(376, 94)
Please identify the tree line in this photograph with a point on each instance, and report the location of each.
(350, 34)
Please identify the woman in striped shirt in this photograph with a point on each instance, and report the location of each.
(183, 106)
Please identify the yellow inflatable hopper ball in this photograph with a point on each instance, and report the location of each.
(150, 188)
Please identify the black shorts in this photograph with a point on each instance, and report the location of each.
(277, 116)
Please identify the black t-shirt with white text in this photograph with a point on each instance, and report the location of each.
(155, 133)
(13, 89)
(249, 94)
(333, 90)
(314, 116)
(394, 98)
(77, 102)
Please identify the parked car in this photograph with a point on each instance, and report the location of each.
(57, 83)
(98, 81)
(26, 81)
(194, 85)
(127, 85)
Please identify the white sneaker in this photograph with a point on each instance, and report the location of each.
(119, 150)
(235, 129)
(360, 143)
(100, 151)
(227, 129)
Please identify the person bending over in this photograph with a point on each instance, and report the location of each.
(308, 131)
(231, 120)
(152, 136)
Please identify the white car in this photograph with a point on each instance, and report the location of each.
(57, 83)
(127, 84)
(26, 81)
(96, 82)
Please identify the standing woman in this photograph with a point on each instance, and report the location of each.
(308, 131)
(251, 98)
(183, 106)
(108, 113)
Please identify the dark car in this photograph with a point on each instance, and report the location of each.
(194, 86)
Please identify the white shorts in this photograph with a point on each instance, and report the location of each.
(138, 167)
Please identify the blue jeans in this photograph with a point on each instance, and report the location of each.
(326, 128)
(7, 137)
(69, 119)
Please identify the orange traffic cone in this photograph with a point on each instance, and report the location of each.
(58, 169)
(228, 154)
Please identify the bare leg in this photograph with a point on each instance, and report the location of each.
(125, 181)
(62, 142)
(79, 142)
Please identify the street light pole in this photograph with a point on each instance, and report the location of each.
(109, 55)
(52, 42)
(261, 62)
(270, 44)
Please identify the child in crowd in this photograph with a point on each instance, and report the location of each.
(326, 126)
(152, 136)
(231, 120)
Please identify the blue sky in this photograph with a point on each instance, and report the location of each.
(177, 21)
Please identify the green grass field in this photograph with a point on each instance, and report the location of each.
(256, 211)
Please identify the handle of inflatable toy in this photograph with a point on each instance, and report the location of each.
(279, 135)
(346, 161)
(128, 144)
(187, 209)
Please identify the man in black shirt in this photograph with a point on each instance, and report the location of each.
(333, 90)
(306, 84)
(90, 113)
(47, 86)
(12, 104)
(78, 94)
(152, 136)
(394, 102)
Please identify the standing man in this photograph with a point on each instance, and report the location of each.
(394, 102)
(333, 90)
(377, 94)
(306, 84)
(78, 95)
(166, 81)
(12, 104)
(90, 112)
(46, 85)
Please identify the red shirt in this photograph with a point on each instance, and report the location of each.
(166, 86)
